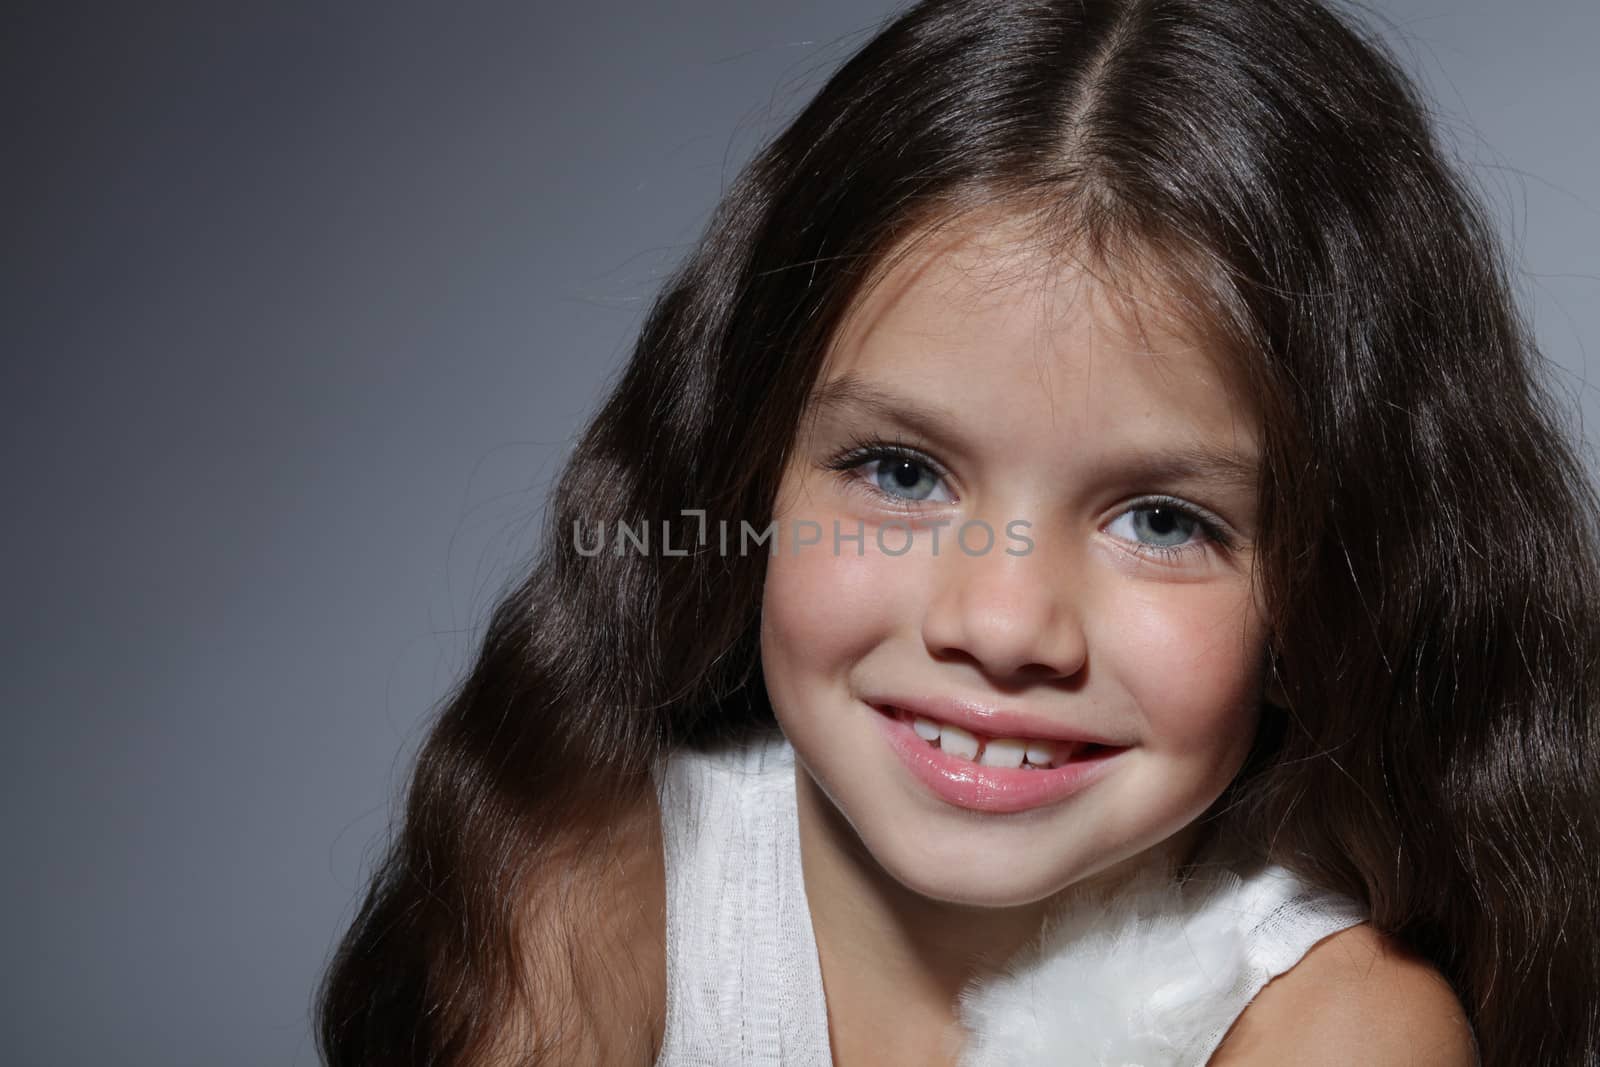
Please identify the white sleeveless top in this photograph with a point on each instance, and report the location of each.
(744, 986)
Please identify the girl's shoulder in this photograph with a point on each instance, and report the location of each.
(1357, 996)
(723, 802)
(743, 973)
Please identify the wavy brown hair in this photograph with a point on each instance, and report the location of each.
(1427, 537)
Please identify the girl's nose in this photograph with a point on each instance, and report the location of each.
(1011, 615)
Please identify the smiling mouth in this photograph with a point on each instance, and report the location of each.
(1009, 752)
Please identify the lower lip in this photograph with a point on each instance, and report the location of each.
(995, 790)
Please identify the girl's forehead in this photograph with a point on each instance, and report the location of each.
(981, 301)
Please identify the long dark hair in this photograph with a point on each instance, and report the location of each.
(1427, 531)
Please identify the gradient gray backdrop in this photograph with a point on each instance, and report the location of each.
(302, 306)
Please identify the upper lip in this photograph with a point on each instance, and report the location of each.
(989, 720)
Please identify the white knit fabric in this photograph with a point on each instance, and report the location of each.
(1152, 979)
(743, 983)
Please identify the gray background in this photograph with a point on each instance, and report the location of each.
(302, 305)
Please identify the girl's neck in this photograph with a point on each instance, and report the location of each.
(894, 962)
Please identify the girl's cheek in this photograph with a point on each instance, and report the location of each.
(1194, 658)
(831, 603)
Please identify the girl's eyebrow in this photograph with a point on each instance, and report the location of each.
(1194, 463)
(1190, 462)
(850, 391)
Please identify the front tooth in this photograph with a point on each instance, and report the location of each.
(957, 742)
(1004, 752)
(1041, 753)
(926, 729)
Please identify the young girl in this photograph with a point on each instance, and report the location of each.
(1079, 569)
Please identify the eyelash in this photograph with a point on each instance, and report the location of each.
(862, 450)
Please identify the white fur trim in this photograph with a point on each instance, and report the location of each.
(1119, 982)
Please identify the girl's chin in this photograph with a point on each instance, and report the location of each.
(966, 871)
(988, 879)
(987, 896)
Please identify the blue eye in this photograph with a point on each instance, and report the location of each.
(904, 478)
(1163, 522)
(1168, 528)
(894, 472)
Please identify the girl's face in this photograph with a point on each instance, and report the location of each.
(1004, 392)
